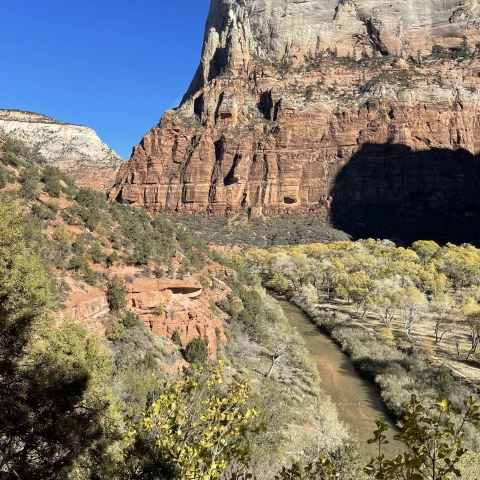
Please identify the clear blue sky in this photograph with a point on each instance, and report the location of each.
(115, 66)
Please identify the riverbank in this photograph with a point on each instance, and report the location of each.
(358, 402)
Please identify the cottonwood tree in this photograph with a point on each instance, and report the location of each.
(277, 351)
(412, 304)
(295, 269)
(331, 272)
(461, 265)
(426, 250)
(359, 289)
(384, 301)
(471, 311)
(442, 308)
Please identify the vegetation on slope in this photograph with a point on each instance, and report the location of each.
(76, 407)
(261, 232)
(71, 237)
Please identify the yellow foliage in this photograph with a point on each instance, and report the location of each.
(387, 337)
(199, 429)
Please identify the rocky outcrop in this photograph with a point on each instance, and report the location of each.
(75, 149)
(87, 305)
(163, 305)
(288, 93)
(166, 306)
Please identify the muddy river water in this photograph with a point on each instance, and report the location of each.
(358, 402)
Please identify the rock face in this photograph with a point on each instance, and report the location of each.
(164, 306)
(288, 93)
(75, 149)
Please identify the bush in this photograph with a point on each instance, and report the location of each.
(89, 207)
(29, 180)
(51, 179)
(3, 178)
(176, 338)
(112, 259)
(158, 272)
(9, 158)
(97, 254)
(115, 331)
(196, 351)
(76, 262)
(90, 276)
(130, 320)
(17, 147)
(42, 212)
(116, 292)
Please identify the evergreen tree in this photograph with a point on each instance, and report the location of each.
(52, 395)
(196, 351)
(116, 292)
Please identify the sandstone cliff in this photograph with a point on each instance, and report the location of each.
(75, 149)
(289, 93)
(164, 306)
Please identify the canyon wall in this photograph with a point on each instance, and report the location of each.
(288, 93)
(75, 149)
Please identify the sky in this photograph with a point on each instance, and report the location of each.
(114, 66)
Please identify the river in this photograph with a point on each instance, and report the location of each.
(358, 402)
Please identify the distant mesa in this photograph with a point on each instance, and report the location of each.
(75, 149)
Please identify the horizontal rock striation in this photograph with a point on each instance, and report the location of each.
(75, 149)
(164, 306)
(288, 93)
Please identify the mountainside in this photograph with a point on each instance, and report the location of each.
(75, 149)
(157, 299)
(322, 103)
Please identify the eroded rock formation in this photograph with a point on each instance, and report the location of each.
(75, 149)
(163, 305)
(287, 93)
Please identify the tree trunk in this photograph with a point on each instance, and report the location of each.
(272, 366)
(473, 350)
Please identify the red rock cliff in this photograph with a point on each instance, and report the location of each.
(288, 93)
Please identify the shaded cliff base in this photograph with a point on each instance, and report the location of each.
(385, 191)
(391, 191)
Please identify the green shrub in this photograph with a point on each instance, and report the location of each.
(158, 272)
(115, 331)
(91, 276)
(112, 259)
(176, 338)
(90, 205)
(17, 147)
(130, 320)
(3, 178)
(34, 156)
(116, 292)
(9, 158)
(52, 206)
(142, 252)
(42, 212)
(97, 254)
(51, 177)
(196, 351)
(29, 180)
(76, 262)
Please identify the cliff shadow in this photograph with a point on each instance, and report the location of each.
(393, 192)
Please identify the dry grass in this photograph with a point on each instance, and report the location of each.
(423, 334)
